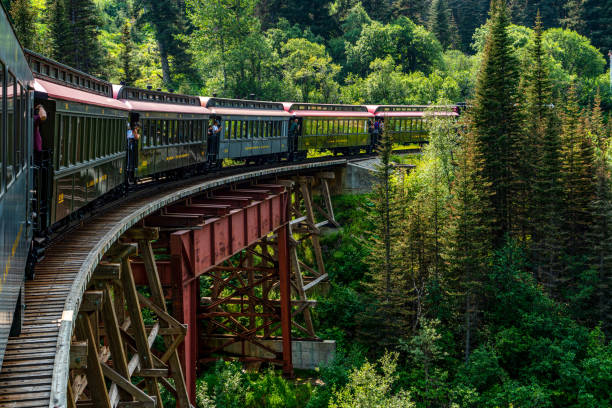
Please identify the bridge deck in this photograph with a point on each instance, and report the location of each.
(35, 368)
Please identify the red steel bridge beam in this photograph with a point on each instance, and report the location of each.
(220, 226)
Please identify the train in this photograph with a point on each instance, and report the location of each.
(84, 156)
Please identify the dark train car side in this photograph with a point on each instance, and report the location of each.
(83, 140)
(337, 128)
(173, 131)
(405, 123)
(255, 131)
(15, 133)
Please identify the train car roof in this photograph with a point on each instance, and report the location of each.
(301, 109)
(146, 100)
(243, 107)
(58, 91)
(411, 110)
(10, 52)
(52, 71)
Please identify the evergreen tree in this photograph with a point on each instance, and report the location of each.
(574, 16)
(455, 38)
(578, 175)
(387, 319)
(546, 191)
(416, 10)
(130, 69)
(598, 20)
(24, 17)
(439, 22)
(75, 29)
(169, 21)
(58, 27)
(467, 244)
(469, 14)
(600, 235)
(497, 125)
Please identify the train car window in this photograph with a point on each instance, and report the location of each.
(78, 154)
(104, 137)
(95, 139)
(10, 134)
(156, 132)
(229, 128)
(24, 121)
(72, 139)
(164, 132)
(2, 122)
(91, 136)
(85, 139)
(175, 129)
(65, 140)
(19, 129)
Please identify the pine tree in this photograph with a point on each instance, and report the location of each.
(469, 15)
(439, 21)
(24, 17)
(169, 21)
(455, 38)
(467, 243)
(58, 27)
(75, 30)
(574, 16)
(600, 235)
(497, 126)
(130, 70)
(413, 9)
(598, 20)
(388, 319)
(578, 176)
(546, 191)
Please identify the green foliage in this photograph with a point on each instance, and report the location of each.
(75, 31)
(308, 66)
(367, 388)
(226, 385)
(496, 123)
(23, 18)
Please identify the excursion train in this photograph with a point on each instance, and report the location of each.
(84, 154)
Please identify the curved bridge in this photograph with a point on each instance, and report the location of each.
(84, 338)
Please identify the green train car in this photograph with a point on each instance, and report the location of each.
(406, 124)
(83, 139)
(337, 128)
(173, 130)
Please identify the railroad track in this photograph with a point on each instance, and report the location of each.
(36, 364)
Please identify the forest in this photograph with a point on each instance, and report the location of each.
(349, 51)
(481, 278)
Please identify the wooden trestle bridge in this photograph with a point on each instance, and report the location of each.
(136, 298)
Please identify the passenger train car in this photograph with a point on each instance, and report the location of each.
(173, 130)
(405, 124)
(84, 157)
(16, 82)
(254, 131)
(337, 128)
(83, 140)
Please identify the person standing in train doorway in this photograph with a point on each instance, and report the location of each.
(40, 115)
(131, 154)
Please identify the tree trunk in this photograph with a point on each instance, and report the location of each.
(163, 53)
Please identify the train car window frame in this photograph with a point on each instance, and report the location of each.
(9, 153)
